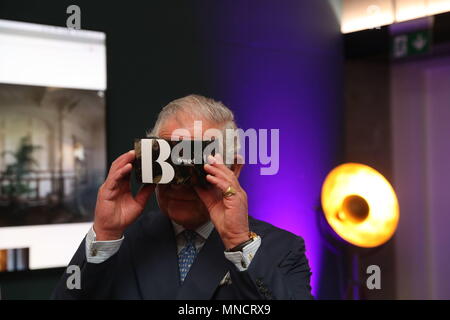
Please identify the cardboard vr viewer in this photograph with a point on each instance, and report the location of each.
(162, 161)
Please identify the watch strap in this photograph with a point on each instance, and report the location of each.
(239, 247)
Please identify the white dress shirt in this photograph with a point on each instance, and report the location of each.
(100, 251)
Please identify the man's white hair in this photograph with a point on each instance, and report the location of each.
(199, 108)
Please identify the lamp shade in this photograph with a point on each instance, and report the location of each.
(360, 205)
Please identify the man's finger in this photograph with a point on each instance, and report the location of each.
(207, 196)
(112, 182)
(220, 183)
(144, 194)
(216, 172)
(217, 162)
(121, 161)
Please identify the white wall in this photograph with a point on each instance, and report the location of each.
(34, 54)
(420, 93)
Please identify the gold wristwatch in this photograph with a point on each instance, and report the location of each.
(252, 236)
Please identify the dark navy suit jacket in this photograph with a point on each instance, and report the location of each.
(146, 267)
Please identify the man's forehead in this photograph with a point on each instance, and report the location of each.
(187, 128)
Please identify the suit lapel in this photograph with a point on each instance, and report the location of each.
(208, 269)
(155, 258)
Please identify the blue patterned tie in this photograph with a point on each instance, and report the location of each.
(187, 255)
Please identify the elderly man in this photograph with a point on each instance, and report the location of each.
(201, 245)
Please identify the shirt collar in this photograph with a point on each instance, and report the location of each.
(204, 230)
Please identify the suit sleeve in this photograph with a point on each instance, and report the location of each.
(96, 279)
(275, 273)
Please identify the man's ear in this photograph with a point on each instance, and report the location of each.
(237, 166)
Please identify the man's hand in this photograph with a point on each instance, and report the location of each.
(228, 214)
(116, 207)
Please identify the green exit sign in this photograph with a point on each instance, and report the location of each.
(410, 44)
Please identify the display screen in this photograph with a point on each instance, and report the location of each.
(52, 141)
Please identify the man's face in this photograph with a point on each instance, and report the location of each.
(180, 202)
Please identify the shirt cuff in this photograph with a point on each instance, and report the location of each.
(242, 259)
(100, 251)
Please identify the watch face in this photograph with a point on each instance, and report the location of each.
(241, 246)
(252, 235)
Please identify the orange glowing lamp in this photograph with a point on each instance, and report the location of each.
(360, 205)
